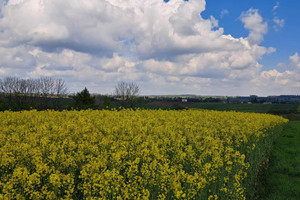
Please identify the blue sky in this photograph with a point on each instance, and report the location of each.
(203, 47)
(286, 40)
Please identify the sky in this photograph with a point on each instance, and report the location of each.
(212, 47)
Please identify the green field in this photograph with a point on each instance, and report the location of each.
(282, 179)
(257, 108)
(279, 109)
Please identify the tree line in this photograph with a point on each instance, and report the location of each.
(51, 93)
(32, 93)
(43, 86)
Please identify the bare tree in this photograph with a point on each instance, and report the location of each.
(126, 93)
(60, 87)
(21, 92)
(43, 86)
(24, 86)
(9, 85)
(33, 87)
(46, 85)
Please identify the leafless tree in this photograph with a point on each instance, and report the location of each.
(22, 92)
(126, 93)
(24, 86)
(9, 85)
(31, 87)
(46, 85)
(60, 87)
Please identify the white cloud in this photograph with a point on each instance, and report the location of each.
(223, 13)
(295, 61)
(271, 50)
(149, 29)
(274, 81)
(276, 6)
(164, 47)
(279, 23)
(286, 82)
(16, 58)
(254, 23)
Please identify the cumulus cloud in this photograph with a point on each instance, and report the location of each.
(16, 58)
(295, 61)
(274, 80)
(254, 23)
(164, 47)
(86, 26)
(151, 29)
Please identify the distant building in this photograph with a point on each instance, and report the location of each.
(184, 100)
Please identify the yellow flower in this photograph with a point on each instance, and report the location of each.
(126, 154)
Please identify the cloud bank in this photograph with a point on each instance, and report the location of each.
(164, 47)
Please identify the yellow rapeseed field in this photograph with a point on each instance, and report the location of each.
(126, 154)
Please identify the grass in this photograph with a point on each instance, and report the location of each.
(282, 179)
(292, 116)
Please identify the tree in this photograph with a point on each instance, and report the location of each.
(23, 93)
(60, 87)
(126, 93)
(84, 99)
(106, 101)
(9, 85)
(46, 85)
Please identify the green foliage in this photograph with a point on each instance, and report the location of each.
(259, 160)
(177, 107)
(292, 116)
(84, 99)
(106, 102)
(2, 105)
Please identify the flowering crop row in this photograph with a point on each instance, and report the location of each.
(142, 154)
